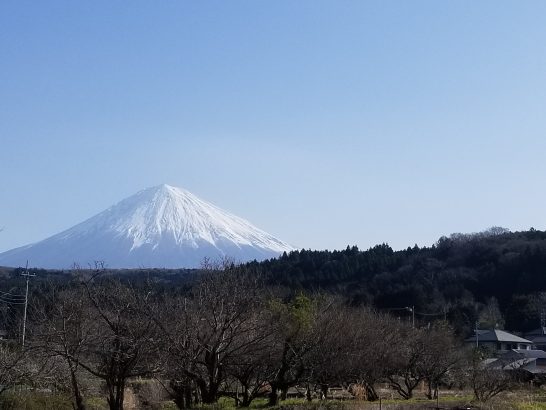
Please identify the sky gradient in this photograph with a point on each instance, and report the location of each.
(325, 123)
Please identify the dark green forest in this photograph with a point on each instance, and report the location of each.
(495, 277)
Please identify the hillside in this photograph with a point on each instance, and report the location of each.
(494, 277)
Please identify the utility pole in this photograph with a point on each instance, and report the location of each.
(28, 276)
(412, 310)
(476, 330)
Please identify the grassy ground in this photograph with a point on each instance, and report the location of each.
(388, 404)
(518, 400)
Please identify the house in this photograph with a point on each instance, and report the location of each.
(498, 340)
(529, 362)
(538, 337)
(532, 361)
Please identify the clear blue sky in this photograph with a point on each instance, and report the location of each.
(326, 123)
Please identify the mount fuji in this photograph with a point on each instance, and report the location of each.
(159, 227)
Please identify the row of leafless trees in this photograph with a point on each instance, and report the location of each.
(227, 336)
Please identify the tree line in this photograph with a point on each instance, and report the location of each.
(496, 278)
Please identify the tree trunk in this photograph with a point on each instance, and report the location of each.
(324, 392)
(207, 391)
(78, 399)
(284, 392)
(116, 395)
(371, 394)
(179, 401)
(121, 397)
(210, 395)
(246, 397)
(196, 396)
(111, 397)
(273, 396)
(410, 386)
(406, 394)
(187, 393)
(428, 394)
(179, 394)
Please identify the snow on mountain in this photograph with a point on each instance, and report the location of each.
(163, 226)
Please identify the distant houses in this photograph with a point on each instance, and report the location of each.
(498, 340)
(513, 353)
(538, 337)
(531, 361)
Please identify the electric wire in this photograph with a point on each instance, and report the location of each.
(12, 302)
(430, 314)
(11, 295)
(17, 301)
(12, 298)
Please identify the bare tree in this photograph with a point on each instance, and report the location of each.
(419, 355)
(123, 339)
(175, 325)
(373, 338)
(407, 351)
(217, 326)
(440, 357)
(12, 367)
(253, 365)
(62, 330)
(487, 381)
(23, 367)
(327, 363)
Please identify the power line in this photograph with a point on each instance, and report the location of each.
(10, 295)
(12, 302)
(430, 314)
(413, 312)
(10, 299)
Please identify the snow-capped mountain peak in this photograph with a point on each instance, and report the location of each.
(162, 226)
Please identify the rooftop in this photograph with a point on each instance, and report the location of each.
(496, 335)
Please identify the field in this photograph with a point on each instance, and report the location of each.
(515, 400)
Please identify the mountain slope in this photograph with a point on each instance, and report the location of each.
(163, 226)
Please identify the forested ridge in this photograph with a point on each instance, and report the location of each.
(495, 277)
